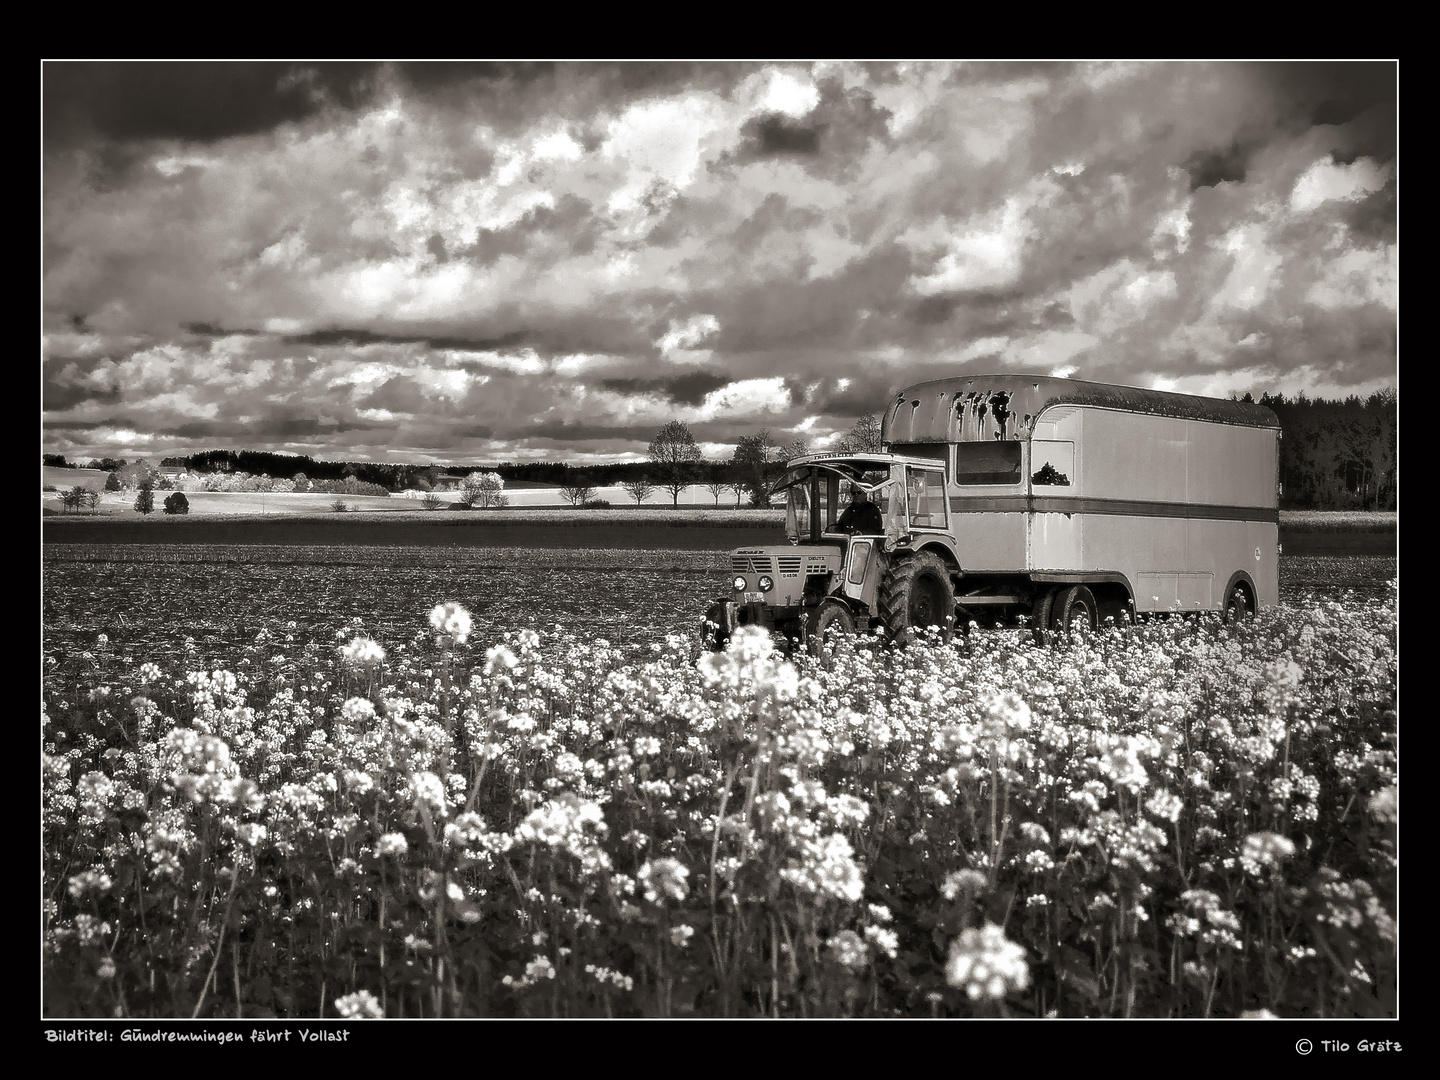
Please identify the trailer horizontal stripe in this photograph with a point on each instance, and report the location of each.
(1050, 504)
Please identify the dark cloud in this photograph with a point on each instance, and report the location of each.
(195, 101)
(776, 134)
(1210, 167)
(1358, 95)
(688, 389)
(578, 430)
(398, 395)
(359, 337)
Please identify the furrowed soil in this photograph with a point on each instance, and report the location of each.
(1301, 532)
(190, 606)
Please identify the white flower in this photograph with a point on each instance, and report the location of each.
(987, 964)
(1264, 850)
(664, 878)
(392, 844)
(849, 949)
(453, 620)
(361, 1005)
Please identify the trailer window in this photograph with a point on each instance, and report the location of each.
(1052, 464)
(987, 462)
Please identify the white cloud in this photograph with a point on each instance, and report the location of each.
(1254, 273)
(787, 94)
(1359, 276)
(986, 253)
(1326, 180)
(746, 398)
(679, 343)
(1174, 223)
(660, 141)
(558, 146)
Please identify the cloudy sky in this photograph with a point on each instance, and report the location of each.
(485, 263)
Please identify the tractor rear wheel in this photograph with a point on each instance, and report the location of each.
(918, 594)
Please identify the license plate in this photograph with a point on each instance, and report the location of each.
(754, 597)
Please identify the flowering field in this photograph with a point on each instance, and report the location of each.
(438, 814)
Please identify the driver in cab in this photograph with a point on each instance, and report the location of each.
(861, 516)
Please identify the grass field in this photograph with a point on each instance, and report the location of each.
(64, 479)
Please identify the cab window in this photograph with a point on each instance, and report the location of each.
(925, 498)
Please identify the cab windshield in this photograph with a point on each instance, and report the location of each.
(811, 503)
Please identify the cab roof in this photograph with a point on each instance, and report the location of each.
(983, 407)
(855, 464)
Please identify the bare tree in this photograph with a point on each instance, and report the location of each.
(863, 438)
(639, 490)
(675, 454)
(577, 491)
(431, 501)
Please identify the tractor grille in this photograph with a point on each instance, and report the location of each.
(751, 564)
(789, 565)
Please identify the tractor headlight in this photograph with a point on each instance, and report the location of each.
(766, 583)
(739, 583)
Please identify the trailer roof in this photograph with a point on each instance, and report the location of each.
(974, 407)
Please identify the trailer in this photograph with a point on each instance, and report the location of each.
(1025, 499)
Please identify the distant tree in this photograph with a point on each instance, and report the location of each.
(177, 503)
(756, 459)
(863, 438)
(74, 498)
(91, 499)
(577, 490)
(338, 506)
(112, 482)
(639, 490)
(483, 489)
(301, 481)
(739, 487)
(431, 501)
(145, 501)
(675, 456)
(55, 461)
(717, 486)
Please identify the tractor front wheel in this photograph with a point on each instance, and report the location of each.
(830, 619)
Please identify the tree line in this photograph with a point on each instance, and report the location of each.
(1334, 455)
(1337, 455)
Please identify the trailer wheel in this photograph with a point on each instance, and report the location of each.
(831, 618)
(1074, 607)
(918, 594)
(1239, 605)
(1040, 623)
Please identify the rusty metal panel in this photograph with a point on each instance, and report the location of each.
(1007, 406)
